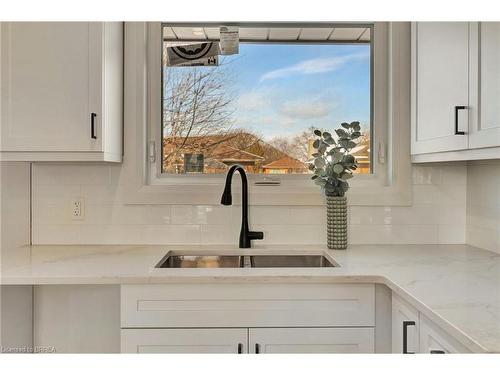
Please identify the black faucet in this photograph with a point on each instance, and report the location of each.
(246, 236)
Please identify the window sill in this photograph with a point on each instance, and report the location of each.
(266, 195)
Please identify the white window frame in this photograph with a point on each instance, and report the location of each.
(389, 184)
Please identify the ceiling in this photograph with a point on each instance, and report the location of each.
(339, 34)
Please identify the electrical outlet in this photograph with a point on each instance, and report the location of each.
(77, 209)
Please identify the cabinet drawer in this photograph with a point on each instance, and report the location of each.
(247, 305)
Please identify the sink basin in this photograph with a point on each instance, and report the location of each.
(176, 260)
(201, 261)
(272, 261)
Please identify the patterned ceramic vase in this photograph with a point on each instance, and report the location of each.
(336, 222)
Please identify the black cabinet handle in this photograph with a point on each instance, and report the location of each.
(240, 348)
(438, 352)
(92, 125)
(257, 348)
(406, 323)
(457, 108)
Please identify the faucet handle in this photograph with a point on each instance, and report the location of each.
(256, 235)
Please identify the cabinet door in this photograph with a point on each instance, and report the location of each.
(485, 73)
(405, 327)
(440, 86)
(434, 340)
(50, 78)
(311, 340)
(206, 340)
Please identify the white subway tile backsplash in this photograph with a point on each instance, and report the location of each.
(171, 234)
(56, 234)
(111, 234)
(55, 194)
(438, 210)
(71, 174)
(219, 235)
(426, 175)
(103, 194)
(451, 234)
(159, 214)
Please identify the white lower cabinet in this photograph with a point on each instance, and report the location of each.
(248, 318)
(190, 340)
(413, 332)
(434, 340)
(405, 327)
(311, 340)
(260, 340)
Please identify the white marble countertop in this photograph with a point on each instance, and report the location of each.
(457, 286)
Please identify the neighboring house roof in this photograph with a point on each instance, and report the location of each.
(229, 148)
(230, 154)
(285, 162)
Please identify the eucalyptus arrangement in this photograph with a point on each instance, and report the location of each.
(332, 166)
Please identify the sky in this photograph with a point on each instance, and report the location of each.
(280, 90)
(283, 89)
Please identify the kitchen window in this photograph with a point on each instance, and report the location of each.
(259, 106)
(197, 178)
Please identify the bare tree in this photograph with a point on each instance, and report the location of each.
(196, 103)
(297, 147)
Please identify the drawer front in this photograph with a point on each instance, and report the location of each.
(247, 305)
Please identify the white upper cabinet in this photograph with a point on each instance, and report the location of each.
(485, 64)
(61, 91)
(440, 86)
(455, 91)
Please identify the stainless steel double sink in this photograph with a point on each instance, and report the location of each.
(180, 260)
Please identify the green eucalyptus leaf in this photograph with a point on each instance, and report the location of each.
(343, 142)
(351, 144)
(316, 143)
(345, 125)
(348, 159)
(326, 135)
(355, 135)
(319, 162)
(338, 168)
(330, 141)
(317, 132)
(320, 172)
(320, 182)
(341, 133)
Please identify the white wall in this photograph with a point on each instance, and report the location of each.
(483, 204)
(436, 216)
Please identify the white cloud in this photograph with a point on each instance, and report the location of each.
(251, 101)
(313, 66)
(305, 109)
